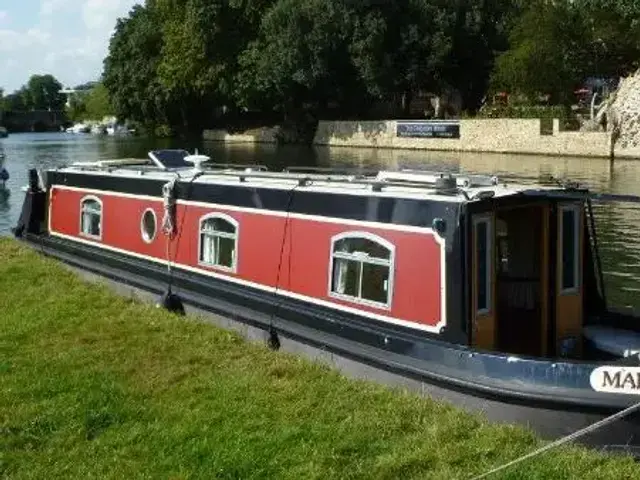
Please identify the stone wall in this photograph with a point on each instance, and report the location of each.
(481, 135)
(257, 135)
(515, 136)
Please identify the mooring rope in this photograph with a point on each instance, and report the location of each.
(563, 440)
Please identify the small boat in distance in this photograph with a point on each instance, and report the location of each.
(483, 291)
(4, 133)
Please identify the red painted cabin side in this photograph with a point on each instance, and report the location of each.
(418, 291)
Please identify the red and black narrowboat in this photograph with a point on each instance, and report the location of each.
(485, 293)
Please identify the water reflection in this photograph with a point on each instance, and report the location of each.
(618, 223)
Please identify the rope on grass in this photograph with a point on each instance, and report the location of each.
(563, 440)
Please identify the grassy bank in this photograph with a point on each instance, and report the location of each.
(98, 386)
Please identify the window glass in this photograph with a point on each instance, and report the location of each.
(569, 249)
(361, 270)
(218, 242)
(483, 265)
(91, 218)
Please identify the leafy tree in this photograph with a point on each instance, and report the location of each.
(612, 36)
(130, 68)
(93, 104)
(196, 64)
(301, 56)
(43, 93)
(546, 54)
(479, 29)
(77, 108)
(16, 101)
(400, 48)
(98, 103)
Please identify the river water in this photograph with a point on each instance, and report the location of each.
(618, 223)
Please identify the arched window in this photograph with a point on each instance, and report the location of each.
(362, 268)
(219, 241)
(91, 217)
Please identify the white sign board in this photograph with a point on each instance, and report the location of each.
(612, 379)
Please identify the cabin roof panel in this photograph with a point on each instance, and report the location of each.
(403, 184)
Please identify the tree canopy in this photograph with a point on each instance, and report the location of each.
(183, 62)
(554, 46)
(41, 92)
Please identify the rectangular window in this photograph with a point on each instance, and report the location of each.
(361, 269)
(483, 265)
(570, 236)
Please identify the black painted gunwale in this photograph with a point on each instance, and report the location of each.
(452, 366)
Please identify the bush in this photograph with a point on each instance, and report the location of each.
(546, 114)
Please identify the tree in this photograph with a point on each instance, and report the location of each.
(92, 104)
(130, 68)
(197, 57)
(479, 29)
(43, 93)
(16, 101)
(399, 49)
(301, 56)
(611, 37)
(546, 52)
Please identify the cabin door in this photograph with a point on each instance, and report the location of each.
(483, 282)
(521, 279)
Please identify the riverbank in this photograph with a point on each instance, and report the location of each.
(502, 135)
(87, 374)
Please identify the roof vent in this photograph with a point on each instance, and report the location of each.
(446, 184)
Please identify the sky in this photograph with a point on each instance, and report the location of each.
(66, 38)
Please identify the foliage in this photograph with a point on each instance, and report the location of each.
(545, 55)
(524, 111)
(91, 104)
(300, 56)
(401, 48)
(130, 68)
(554, 46)
(42, 92)
(183, 63)
(145, 394)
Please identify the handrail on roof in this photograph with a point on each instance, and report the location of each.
(237, 166)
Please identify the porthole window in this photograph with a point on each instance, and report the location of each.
(219, 242)
(91, 217)
(148, 225)
(362, 269)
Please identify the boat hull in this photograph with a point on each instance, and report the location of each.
(553, 398)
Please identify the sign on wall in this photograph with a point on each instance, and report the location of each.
(428, 129)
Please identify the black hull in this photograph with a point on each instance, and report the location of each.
(553, 398)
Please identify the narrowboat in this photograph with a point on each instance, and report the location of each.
(483, 291)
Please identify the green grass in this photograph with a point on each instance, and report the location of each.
(98, 386)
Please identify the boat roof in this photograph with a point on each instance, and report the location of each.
(414, 184)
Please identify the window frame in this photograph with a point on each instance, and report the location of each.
(577, 284)
(229, 219)
(392, 264)
(143, 234)
(488, 221)
(83, 200)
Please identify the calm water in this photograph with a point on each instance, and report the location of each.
(619, 223)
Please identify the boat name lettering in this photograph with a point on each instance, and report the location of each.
(616, 379)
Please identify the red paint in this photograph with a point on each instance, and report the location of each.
(417, 281)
